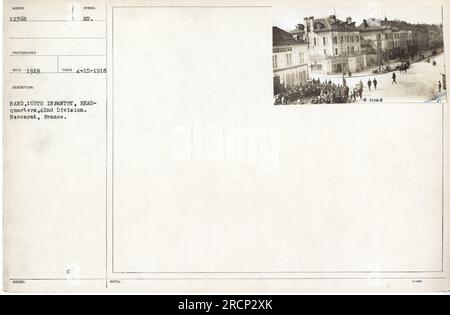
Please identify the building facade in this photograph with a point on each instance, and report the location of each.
(390, 42)
(399, 39)
(334, 46)
(435, 37)
(289, 60)
(322, 46)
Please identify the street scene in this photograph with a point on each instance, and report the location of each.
(329, 60)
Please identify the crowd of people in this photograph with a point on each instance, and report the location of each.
(332, 93)
(327, 92)
(316, 92)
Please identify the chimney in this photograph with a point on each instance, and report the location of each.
(349, 19)
(333, 17)
(306, 19)
(311, 22)
(365, 23)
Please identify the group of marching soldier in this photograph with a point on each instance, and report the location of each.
(327, 92)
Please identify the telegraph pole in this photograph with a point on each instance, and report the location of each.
(380, 57)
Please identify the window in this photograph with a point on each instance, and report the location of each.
(357, 38)
(336, 51)
(351, 39)
(342, 39)
(301, 57)
(347, 39)
(324, 39)
(288, 60)
(315, 44)
(317, 67)
(302, 76)
(335, 40)
(274, 61)
(324, 51)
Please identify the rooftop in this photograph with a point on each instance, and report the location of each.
(377, 24)
(281, 37)
(331, 23)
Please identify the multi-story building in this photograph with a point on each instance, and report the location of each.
(422, 34)
(411, 42)
(389, 41)
(377, 37)
(334, 45)
(429, 36)
(435, 36)
(400, 48)
(289, 60)
(394, 39)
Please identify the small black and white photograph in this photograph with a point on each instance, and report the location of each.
(349, 54)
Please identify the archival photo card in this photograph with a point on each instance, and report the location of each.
(143, 152)
(327, 54)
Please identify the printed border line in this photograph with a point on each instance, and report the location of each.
(189, 6)
(106, 148)
(256, 272)
(443, 190)
(443, 150)
(277, 272)
(235, 278)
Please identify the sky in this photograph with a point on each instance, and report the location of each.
(288, 17)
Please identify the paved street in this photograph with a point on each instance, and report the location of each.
(419, 84)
